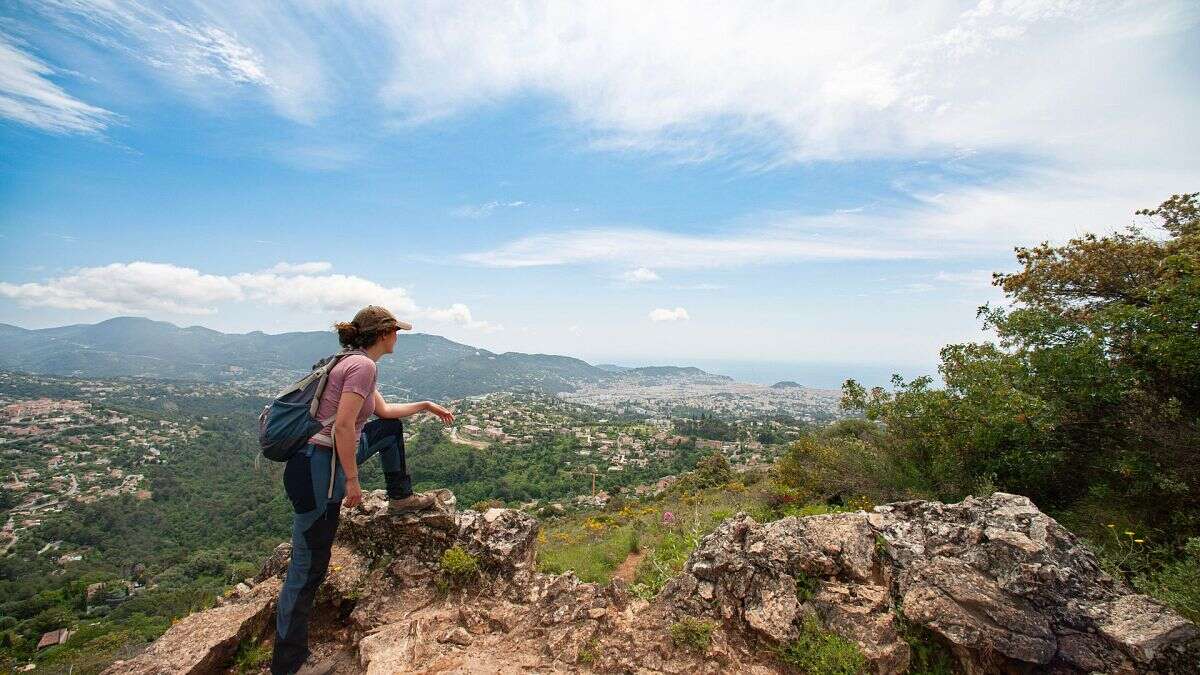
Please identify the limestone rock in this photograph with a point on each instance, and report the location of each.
(995, 578)
(1002, 586)
(204, 642)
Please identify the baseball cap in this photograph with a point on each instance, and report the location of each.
(374, 318)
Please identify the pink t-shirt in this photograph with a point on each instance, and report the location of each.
(355, 373)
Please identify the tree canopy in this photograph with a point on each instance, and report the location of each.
(1092, 389)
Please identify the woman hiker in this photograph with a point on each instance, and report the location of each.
(350, 397)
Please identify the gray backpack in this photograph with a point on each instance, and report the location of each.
(287, 422)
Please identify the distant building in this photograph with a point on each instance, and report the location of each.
(54, 637)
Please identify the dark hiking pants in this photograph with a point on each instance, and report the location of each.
(306, 479)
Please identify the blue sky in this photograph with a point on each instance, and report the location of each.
(721, 182)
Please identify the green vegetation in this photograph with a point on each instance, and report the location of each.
(707, 426)
(692, 634)
(806, 587)
(459, 566)
(538, 469)
(819, 652)
(212, 519)
(666, 529)
(251, 656)
(593, 553)
(1095, 376)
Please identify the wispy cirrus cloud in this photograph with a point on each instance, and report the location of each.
(643, 247)
(809, 82)
(485, 209)
(29, 96)
(950, 222)
(145, 287)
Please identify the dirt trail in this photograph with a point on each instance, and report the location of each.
(628, 567)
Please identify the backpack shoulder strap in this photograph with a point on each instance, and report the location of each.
(326, 367)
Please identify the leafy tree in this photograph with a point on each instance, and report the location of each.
(1092, 389)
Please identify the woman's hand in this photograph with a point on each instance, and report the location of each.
(354, 495)
(444, 415)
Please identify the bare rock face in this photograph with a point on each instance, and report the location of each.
(205, 642)
(378, 554)
(501, 540)
(998, 584)
(1001, 583)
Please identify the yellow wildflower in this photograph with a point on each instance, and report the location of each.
(1139, 541)
(1128, 533)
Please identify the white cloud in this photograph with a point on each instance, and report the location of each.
(144, 287)
(459, 314)
(129, 287)
(1090, 101)
(1056, 79)
(28, 96)
(677, 314)
(484, 210)
(641, 247)
(955, 222)
(805, 81)
(314, 267)
(640, 275)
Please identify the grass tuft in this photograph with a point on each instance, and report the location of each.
(694, 635)
(820, 652)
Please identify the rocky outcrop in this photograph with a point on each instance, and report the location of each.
(994, 582)
(378, 561)
(205, 642)
(999, 583)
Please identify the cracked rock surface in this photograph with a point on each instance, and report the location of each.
(1000, 585)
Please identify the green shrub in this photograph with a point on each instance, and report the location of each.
(458, 565)
(827, 468)
(806, 587)
(712, 471)
(1176, 583)
(692, 634)
(820, 652)
(251, 656)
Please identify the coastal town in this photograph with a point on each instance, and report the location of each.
(690, 392)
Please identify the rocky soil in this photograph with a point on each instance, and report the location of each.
(995, 582)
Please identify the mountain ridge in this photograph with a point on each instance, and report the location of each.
(423, 364)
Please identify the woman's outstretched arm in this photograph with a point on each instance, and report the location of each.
(395, 411)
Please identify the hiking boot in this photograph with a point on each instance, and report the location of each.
(317, 668)
(417, 501)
